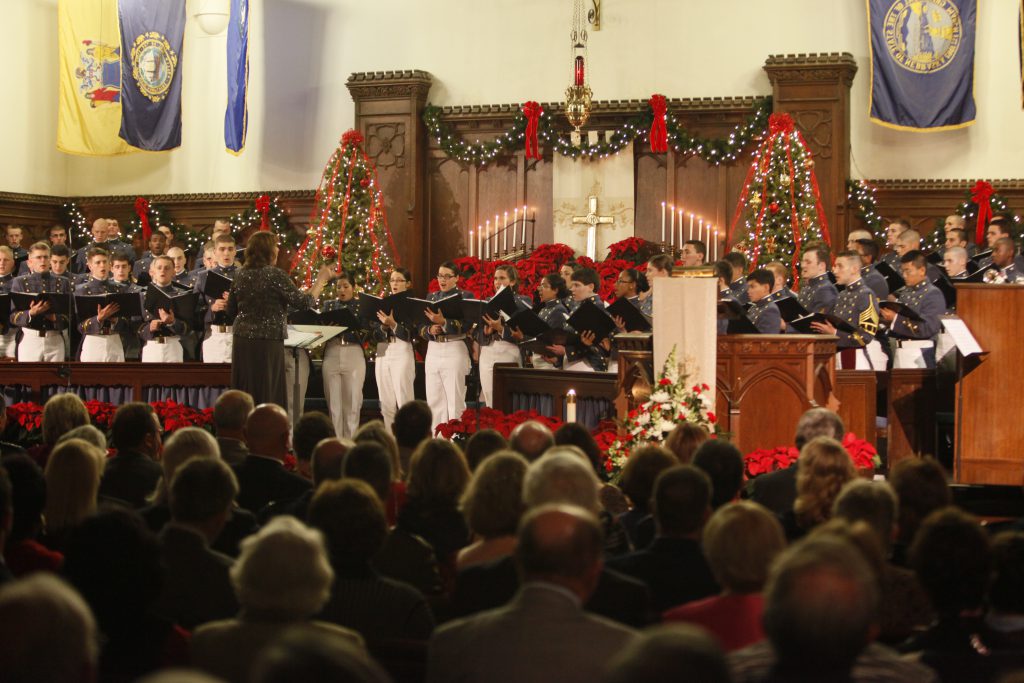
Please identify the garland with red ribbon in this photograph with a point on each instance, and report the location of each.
(659, 133)
(981, 194)
(263, 206)
(142, 209)
(532, 111)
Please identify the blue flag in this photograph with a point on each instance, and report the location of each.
(922, 63)
(236, 118)
(151, 41)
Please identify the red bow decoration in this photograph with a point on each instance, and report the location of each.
(659, 134)
(981, 195)
(263, 206)
(142, 209)
(532, 112)
(780, 123)
(352, 137)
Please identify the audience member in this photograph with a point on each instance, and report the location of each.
(303, 654)
(6, 522)
(61, 414)
(642, 468)
(559, 556)
(483, 444)
(723, 463)
(820, 603)
(777, 490)
(72, 485)
(230, 413)
(23, 553)
(375, 432)
(262, 477)
(823, 468)
(132, 475)
(740, 542)
(197, 588)
(1004, 621)
(87, 433)
(351, 517)
(492, 505)
(920, 485)
(47, 633)
(114, 562)
(530, 439)
(411, 428)
(312, 428)
(673, 566)
(662, 653)
(282, 578)
(328, 456)
(684, 440)
(576, 434)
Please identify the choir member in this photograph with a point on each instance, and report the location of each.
(101, 341)
(395, 367)
(42, 331)
(590, 354)
(892, 236)
(817, 293)
(121, 278)
(858, 306)
(15, 234)
(99, 232)
(738, 285)
(1006, 268)
(659, 266)
(494, 338)
(157, 247)
(780, 287)
(954, 261)
(695, 253)
(915, 340)
(162, 332)
(447, 360)
(115, 241)
(630, 284)
(181, 274)
(868, 250)
(553, 292)
(217, 322)
(8, 333)
(763, 312)
(344, 368)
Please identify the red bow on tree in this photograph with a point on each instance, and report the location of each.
(352, 137)
(532, 112)
(780, 123)
(659, 134)
(981, 195)
(142, 209)
(263, 206)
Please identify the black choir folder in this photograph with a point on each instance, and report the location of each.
(539, 335)
(22, 301)
(892, 276)
(450, 307)
(589, 318)
(736, 314)
(529, 323)
(901, 309)
(216, 284)
(183, 305)
(634, 318)
(501, 306)
(394, 304)
(341, 317)
(129, 303)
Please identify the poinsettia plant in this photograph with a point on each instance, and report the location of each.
(765, 460)
(471, 421)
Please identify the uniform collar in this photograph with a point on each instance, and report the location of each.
(867, 269)
(923, 284)
(818, 279)
(224, 269)
(857, 284)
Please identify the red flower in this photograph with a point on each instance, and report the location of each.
(664, 382)
(711, 417)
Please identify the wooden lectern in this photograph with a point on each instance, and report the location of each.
(767, 381)
(989, 428)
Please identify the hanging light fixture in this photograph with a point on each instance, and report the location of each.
(578, 96)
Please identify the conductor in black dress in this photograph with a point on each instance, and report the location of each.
(260, 297)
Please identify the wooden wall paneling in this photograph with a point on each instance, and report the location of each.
(855, 391)
(451, 197)
(34, 212)
(496, 194)
(913, 399)
(652, 176)
(539, 198)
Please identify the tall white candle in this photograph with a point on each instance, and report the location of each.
(570, 405)
(663, 222)
(515, 222)
(471, 242)
(680, 228)
(700, 232)
(504, 234)
(479, 241)
(691, 226)
(716, 245)
(487, 240)
(524, 227)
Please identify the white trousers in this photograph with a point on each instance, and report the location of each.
(289, 380)
(102, 348)
(872, 358)
(395, 371)
(909, 355)
(36, 349)
(445, 368)
(495, 352)
(344, 372)
(579, 366)
(217, 346)
(9, 344)
(168, 352)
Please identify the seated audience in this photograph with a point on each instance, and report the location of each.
(23, 553)
(559, 557)
(530, 439)
(325, 465)
(662, 653)
(132, 475)
(197, 588)
(684, 440)
(262, 477)
(230, 412)
(312, 428)
(673, 566)
(375, 432)
(820, 603)
(740, 542)
(282, 578)
(576, 434)
(6, 521)
(723, 463)
(482, 444)
(492, 505)
(351, 517)
(823, 468)
(114, 562)
(61, 414)
(302, 654)
(72, 485)
(642, 467)
(921, 488)
(1005, 616)
(87, 433)
(411, 428)
(6, 448)
(47, 633)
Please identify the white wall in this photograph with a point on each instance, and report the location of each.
(302, 51)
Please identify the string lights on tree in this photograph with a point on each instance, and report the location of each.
(861, 196)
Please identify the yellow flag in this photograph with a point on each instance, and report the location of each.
(89, 116)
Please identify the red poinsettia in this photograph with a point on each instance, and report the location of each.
(764, 460)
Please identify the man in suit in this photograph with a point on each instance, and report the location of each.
(230, 412)
(543, 634)
(262, 477)
(132, 474)
(673, 566)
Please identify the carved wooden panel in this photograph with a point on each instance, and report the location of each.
(913, 399)
(855, 393)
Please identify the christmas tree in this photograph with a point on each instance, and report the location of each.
(780, 207)
(348, 229)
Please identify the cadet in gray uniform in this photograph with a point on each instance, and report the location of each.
(817, 293)
(868, 250)
(858, 306)
(914, 341)
(763, 312)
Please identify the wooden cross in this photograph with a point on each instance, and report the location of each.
(592, 220)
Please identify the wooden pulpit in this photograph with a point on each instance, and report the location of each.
(989, 402)
(766, 381)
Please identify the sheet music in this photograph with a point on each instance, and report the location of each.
(299, 339)
(962, 336)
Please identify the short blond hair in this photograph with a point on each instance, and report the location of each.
(438, 472)
(181, 446)
(72, 474)
(740, 542)
(823, 468)
(62, 413)
(493, 502)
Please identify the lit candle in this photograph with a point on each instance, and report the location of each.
(524, 227)
(672, 226)
(681, 228)
(504, 234)
(479, 241)
(487, 240)
(663, 222)
(570, 405)
(471, 243)
(495, 234)
(691, 226)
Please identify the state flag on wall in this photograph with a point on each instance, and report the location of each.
(89, 113)
(152, 33)
(236, 119)
(922, 63)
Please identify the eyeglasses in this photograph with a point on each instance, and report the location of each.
(442, 276)
(396, 280)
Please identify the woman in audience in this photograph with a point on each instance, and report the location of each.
(553, 292)
(492, 506)
(376, 432)
(823, 468)
(61, 414)
(642, 468)
(575, 434)
(72, 483)
(282, 578)
(114, 562)
(23, 554)
(684, 441)
(437, 477)
(483, 444)
(740, 542)
(395, 368)
(87, 433)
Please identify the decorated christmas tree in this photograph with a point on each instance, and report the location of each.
(780, 207)
(348, 229)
